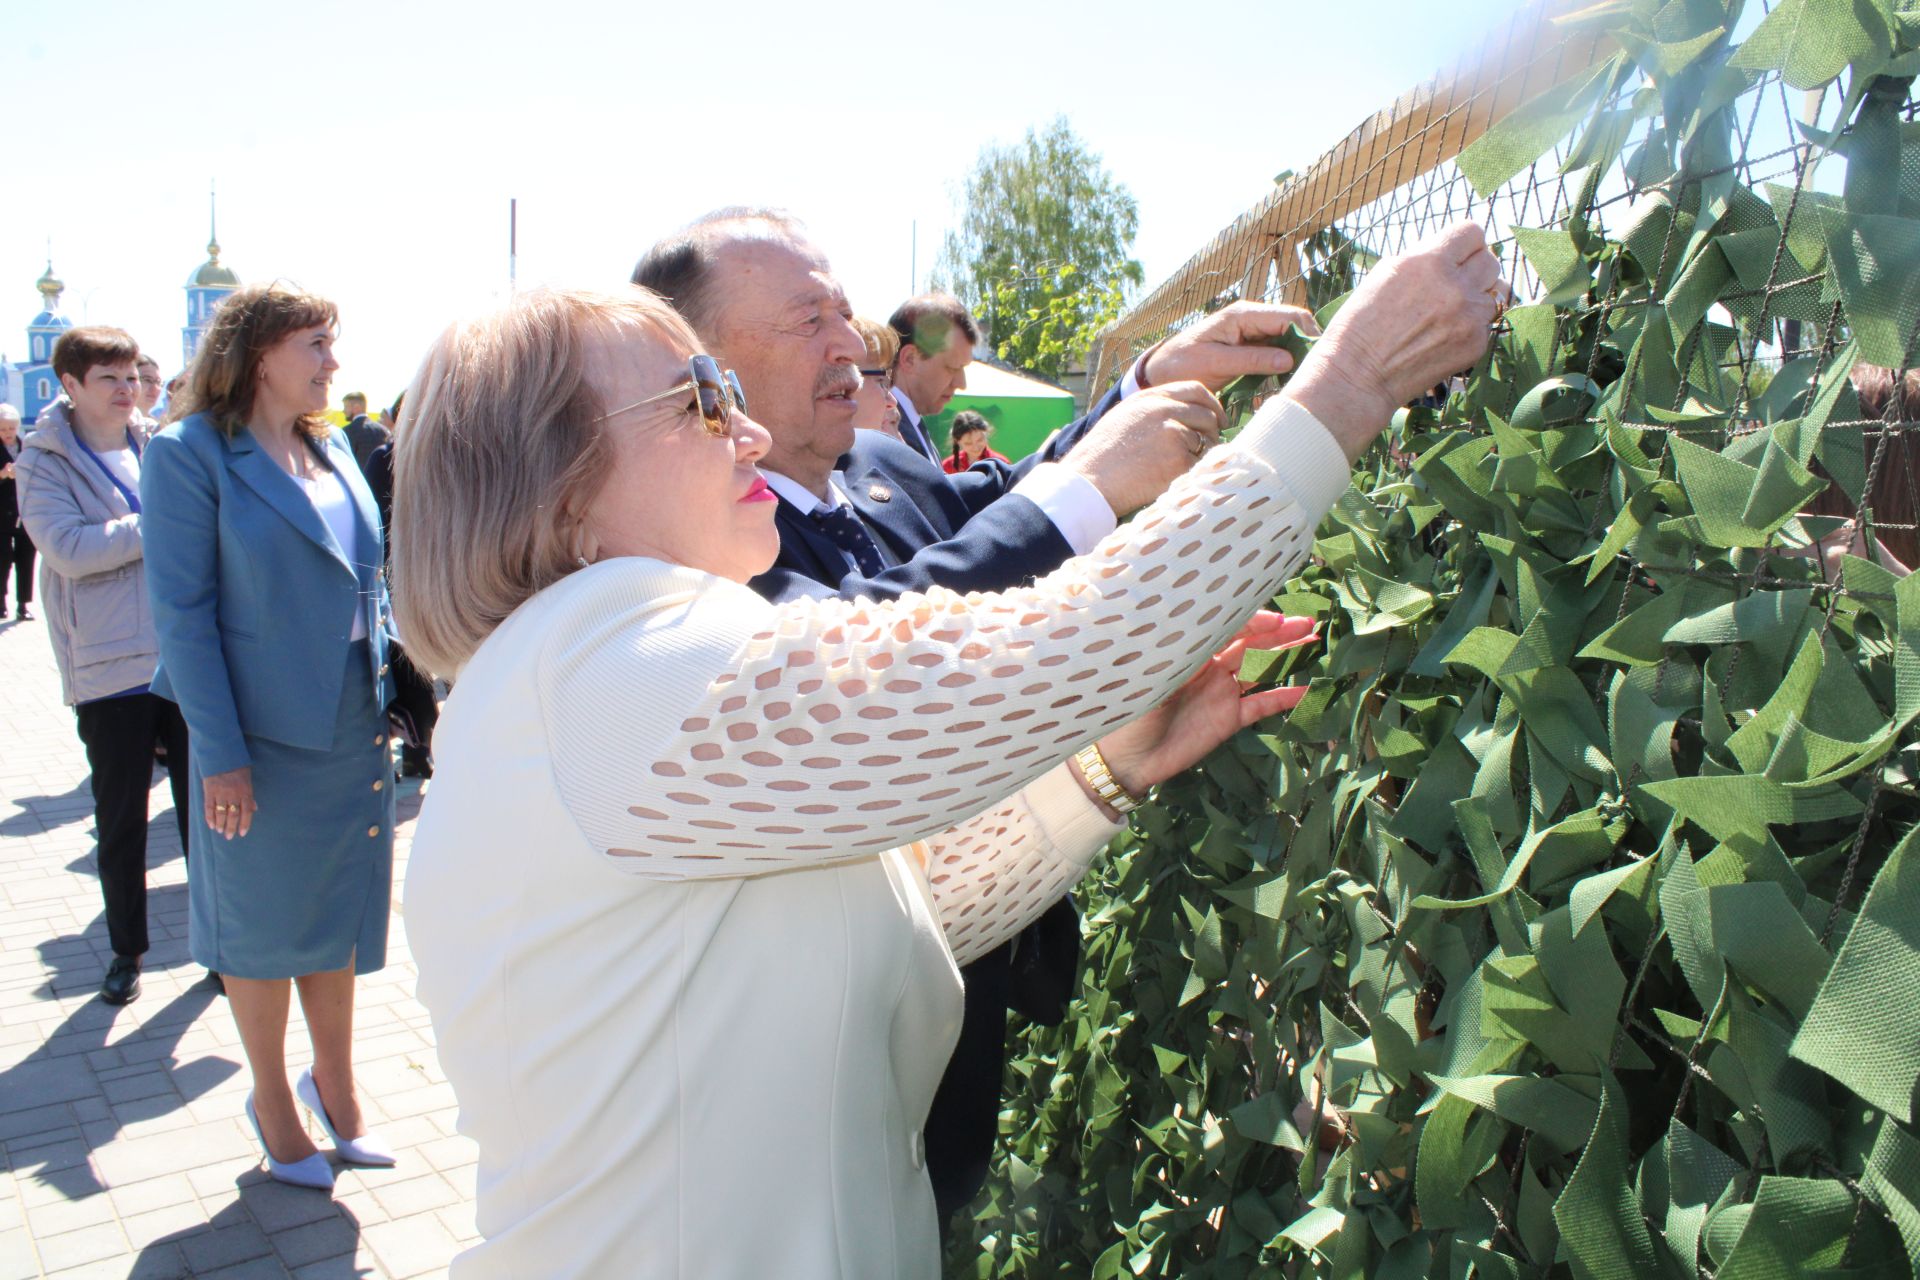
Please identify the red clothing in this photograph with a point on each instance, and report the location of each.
(954, 466)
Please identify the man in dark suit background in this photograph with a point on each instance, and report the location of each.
(862, 514)
(16, 548)
(937, 338)
(364, 435)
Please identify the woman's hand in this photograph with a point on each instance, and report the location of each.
(1206, 710)
(229, 801)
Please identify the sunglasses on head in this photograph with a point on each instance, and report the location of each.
(882, 376)
(717, 390)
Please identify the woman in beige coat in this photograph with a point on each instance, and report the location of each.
(78, 481)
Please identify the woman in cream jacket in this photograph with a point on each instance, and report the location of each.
(688, 893)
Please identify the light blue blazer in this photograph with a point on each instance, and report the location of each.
(253, 598)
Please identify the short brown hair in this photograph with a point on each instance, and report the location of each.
(224, 376)
(929, 320)
(883, 344)
(145, 361)
(503, 450)
(79, 350)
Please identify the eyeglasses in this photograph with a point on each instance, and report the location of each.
(717, 390)
(882, 376)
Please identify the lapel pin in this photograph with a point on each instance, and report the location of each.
(880, 493)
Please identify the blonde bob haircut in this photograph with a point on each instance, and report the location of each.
(225, 373)
(883, 344)
(498, 454)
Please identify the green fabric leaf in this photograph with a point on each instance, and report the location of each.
(1698, 1174)
(1564, 1116)
(1813, 41)
(1758, 932)
(1855, 1032)
(1798, 1227)
(1557, 260)
(1738, 805)
(1591, 894)
(1876, 269)
(1892, 1177)
(1735, 505)
(1524, 135)
(1601, 1226)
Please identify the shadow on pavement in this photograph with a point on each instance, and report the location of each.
(57, 1073)
(38, 814)
(276, 1227)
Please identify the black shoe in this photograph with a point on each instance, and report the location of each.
(23, 614)
(123, 981)
(415, 764)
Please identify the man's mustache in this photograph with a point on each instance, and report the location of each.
(835, 379)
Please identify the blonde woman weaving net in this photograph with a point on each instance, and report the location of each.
(689, 889)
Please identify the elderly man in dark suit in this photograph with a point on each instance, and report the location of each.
(871, 516)
(16, 548)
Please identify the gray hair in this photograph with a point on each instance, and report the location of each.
(680, 267)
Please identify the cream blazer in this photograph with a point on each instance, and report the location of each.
(689, 888)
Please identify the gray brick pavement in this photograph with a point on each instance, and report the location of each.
(123, 1152)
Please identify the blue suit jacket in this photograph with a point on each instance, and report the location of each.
(965, 532)
(253, 598)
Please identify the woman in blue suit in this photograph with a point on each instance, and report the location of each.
(264, 559)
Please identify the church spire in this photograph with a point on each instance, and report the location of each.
(213, 222)
(50, 285)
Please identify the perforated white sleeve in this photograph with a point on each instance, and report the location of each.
(995, 873)
(697, 731)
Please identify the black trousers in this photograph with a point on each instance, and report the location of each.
(16, 549)
(119, 734)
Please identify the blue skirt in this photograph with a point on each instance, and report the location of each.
(307, 889)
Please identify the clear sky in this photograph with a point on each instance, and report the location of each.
(368, 149)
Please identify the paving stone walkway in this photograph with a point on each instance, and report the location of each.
(123, 1151)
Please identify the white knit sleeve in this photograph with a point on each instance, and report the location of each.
(994, 874)
(699, 732)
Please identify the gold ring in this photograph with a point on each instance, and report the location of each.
(1199, 442)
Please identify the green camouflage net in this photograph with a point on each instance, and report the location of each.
(1570, 926)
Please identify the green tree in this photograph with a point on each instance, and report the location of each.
(1043, 252)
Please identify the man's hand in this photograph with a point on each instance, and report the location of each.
(1146, 442)
(1228, 344)
(1417, 319)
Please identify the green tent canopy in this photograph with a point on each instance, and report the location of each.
(1024, 411)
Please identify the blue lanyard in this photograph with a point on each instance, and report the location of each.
(133, 499)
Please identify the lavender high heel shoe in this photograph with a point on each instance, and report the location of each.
(368, 1148)
(313, 1171)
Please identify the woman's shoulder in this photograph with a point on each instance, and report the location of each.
(627, 603)
(335, 441)
(196, 431)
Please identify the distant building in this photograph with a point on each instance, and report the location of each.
(210, 282)
(29, 385)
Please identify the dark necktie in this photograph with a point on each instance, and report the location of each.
(921, 439)
(844, 528)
